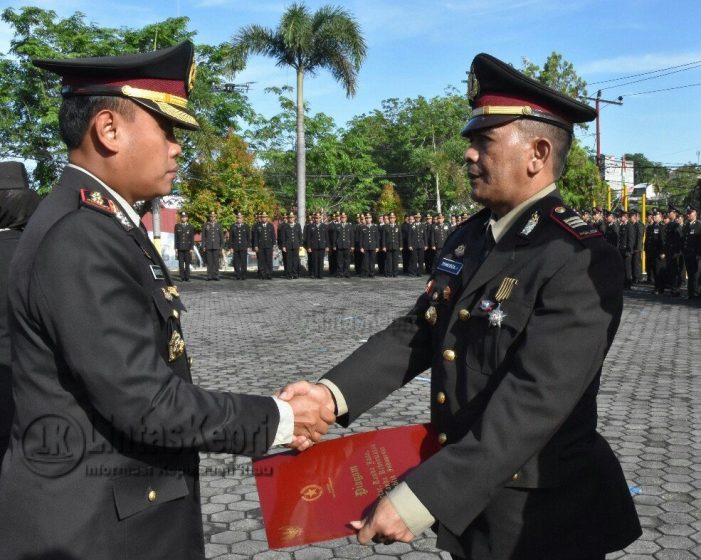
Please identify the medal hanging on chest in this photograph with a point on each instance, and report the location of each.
(497, 314)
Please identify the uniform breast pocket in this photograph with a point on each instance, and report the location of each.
(494, 334)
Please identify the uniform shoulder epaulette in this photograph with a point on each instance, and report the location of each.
(95, 200)
(571, 222)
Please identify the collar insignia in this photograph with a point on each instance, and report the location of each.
(530, 225)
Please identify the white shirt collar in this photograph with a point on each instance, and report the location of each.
(124, 205)
(502, 225)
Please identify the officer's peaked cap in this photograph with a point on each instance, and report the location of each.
(500, 94)
(160, 80)
(13, 175)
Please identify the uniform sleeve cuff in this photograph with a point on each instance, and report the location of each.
(341, 406)
(286, 426)
(414, 514)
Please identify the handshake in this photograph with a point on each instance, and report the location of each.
(314, 411)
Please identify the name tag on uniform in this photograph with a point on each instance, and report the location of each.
(449, 266)
(157, 272)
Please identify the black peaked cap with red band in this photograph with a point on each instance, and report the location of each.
(160, 80)
(500, 94)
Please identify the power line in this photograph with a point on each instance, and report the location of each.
(651, 77)
(645, 73)
(659, 90)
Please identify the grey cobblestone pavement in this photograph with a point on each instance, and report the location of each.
(255, 336)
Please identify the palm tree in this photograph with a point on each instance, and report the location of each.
(330, 38)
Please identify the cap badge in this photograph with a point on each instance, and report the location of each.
(191, 77)
(531, 224)
(431, 315)
(459, 251)
(473, 85)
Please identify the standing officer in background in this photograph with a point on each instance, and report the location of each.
(673, 251)
(357, 253)
(429, 252)
(281, 227)
(625, 247)
(103, 459)
(332, 228)
(17, 204)
(212, 243)
(369, 246)
(184, 242)
(240, 240)
(692, 251)
(405, 245)
(263, 243)
(658, 246)
(439, 233)
(611, 232)
(317, 244)
(381, 255)
(290, 242)
(515, 323)
(638, 233)
(412, 241)
(344, 246)
(422, 243)
(391, 244)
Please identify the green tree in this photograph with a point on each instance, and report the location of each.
(30, 98)
(330, 38)
(558, 74)
(229, 183)
(389, 201)
(581, 184)
(646, 171)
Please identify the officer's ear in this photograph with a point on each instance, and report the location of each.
(107, 131)
(540, 155)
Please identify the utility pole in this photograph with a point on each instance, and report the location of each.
(599, 101)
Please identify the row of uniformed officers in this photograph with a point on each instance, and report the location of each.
(371, 247)
(670, 241)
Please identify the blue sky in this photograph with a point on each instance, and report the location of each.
(421, 47)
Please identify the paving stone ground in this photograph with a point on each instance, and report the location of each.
(255, 336)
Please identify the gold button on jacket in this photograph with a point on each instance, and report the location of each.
(449, 355)
(442, 438)
(464, 314)
(152, 496)
(440, 398)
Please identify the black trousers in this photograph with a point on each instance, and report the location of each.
(637, 267)
(184, 260)
(429, 256)
(358, 261)
(650, 266)
(692, 272)
(406, 255)
(391, 262)
(674, 272)
(628, 267)
(316, 263)
(343, 261)
(291, 260)
(265, 261)
(660, 273)
(419, 255)
(381, 258)
(333, 261)
(212, 264)
(369, 260)
(240, 263)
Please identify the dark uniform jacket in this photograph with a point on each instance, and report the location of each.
(674, 240)
(638, 234)
(291, 236)
(369, 237)
(656, 238)
(692, 239)
(516, 402)
(103, 460)
(212, 236)
(391, 237)
(317, 237)
(264, 236)
(438, 234)
(412, 237)
(612, 233)
(344, 236)
(240, 237)
(184, 236)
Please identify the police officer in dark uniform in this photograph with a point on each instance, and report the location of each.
(422, 243)
(391, 244)
(657, 247)
(383, 220)
(612, 229)
(103, 459)
(413, 242)
(692, 251)
(345, 244)
(369, 246)
(263, 242)
(673, 251)
(290, 242)
(17, 204)
(240, 241)
(439, 233)
(317, 244)
(357, 254)
(625, 241)
(184, 242)
(429, 252)
(638, 234)
(405, 246)
(212, 243)
(515, 323)
(332, 228)
(598, 219)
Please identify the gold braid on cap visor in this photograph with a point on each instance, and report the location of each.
(518, 111)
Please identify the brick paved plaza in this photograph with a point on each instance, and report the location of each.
(255, 336)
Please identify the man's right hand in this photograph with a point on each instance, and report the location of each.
(313, 408)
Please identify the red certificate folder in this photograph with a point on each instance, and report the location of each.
(312, 496)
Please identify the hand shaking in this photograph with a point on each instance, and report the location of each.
(313, 408)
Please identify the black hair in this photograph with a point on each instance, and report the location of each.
(76, 112)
